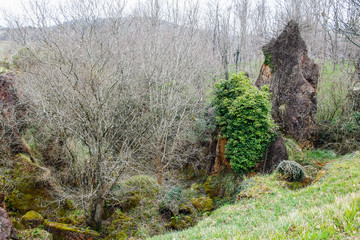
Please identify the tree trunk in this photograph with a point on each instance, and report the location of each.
(96, 210)
(159, 169)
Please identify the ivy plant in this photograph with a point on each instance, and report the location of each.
(243, 113)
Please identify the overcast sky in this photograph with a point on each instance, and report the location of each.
(15, 7)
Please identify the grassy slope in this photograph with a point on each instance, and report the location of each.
(327, 209)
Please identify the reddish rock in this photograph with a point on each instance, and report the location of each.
(220, 159)
(293, 79)
(6, 226)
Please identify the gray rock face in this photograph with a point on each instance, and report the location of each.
(293, 79)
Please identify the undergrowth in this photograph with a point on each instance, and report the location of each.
(327, 209)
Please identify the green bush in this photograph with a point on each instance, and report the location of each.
(243, 113)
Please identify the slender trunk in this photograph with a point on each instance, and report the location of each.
(96, 210)
(159, 169)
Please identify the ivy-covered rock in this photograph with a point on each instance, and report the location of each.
(203, 204)
(243, 113)
(32, 219)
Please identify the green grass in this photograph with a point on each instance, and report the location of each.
(327, 209)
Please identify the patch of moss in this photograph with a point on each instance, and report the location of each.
(66, 231)
(29, 192)
(121, 226)
(212, 187)
(203, 204)
(142, 185)
(180, 222)
(185, 209)
(255, 191)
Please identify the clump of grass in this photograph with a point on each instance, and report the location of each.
(291, 171)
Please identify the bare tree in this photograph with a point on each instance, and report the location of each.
(118, 91)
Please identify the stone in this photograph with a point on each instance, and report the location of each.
(203, 204)
(276, 152)
(62, 231)
(32, 219)
(293, 79)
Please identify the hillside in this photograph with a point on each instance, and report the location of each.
(327, 209)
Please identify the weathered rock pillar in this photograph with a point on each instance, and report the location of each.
(293, 79)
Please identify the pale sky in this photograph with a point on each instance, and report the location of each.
(15, 7)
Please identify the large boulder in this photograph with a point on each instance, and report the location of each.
(293, 79)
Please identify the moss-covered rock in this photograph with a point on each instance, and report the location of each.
(32, 219)
(61, 231)
(186, 209)
(34, 234)
(203, 204)
(180, 222)
(31, 186)
(212, 186)
(121, 227)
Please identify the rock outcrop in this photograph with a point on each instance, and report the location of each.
(12, 116)
(276, 152)
(293, 79)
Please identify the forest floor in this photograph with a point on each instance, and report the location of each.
(329, 208)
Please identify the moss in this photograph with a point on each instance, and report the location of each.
(121, 226)
(66, 231)
(32, 219)
(212, 187)
(185, 209)
(142, 185)
(255, 191)
(203, 204)
(180, 222)
(34, 234)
